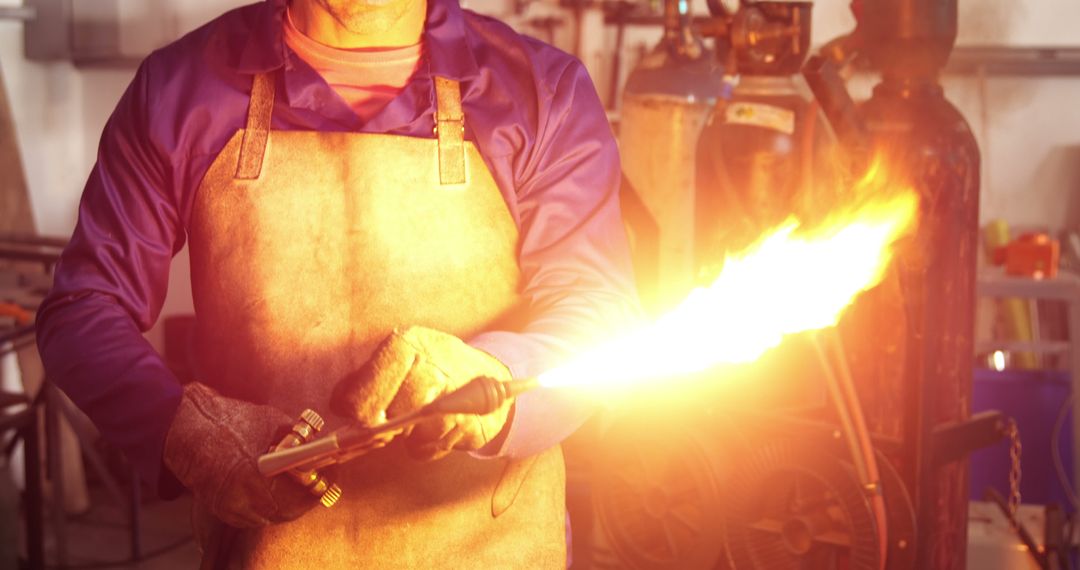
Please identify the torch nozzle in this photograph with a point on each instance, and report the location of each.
(481, 395)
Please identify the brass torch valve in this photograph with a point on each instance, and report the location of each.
(304, 430)
(301, 457)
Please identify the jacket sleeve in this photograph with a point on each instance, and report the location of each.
(574, 259)
(109, 287)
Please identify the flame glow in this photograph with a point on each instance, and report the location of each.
(792, 280)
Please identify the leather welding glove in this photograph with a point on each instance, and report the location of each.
(212, 447)
(409, 369)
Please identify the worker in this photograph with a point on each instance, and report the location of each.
(381, 200)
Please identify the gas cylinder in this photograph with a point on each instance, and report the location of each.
(915, 373)
(764, 155)
(759, 153)
(761, 158)
(664, 106)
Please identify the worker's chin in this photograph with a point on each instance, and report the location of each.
(366, 17)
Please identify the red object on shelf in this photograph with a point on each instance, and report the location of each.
(1034, 255)
(21, 315)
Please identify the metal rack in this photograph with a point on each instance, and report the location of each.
(1065, 287)
(20, 419)
(26, 265)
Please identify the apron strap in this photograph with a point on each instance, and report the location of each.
(450, 130)
(257, 130)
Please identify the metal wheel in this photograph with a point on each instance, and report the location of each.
(794, 506)
(657, 498)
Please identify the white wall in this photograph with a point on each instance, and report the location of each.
(1019, 22)
(47, 106)
(1028, 128)
(1029, 135)
(59, 111)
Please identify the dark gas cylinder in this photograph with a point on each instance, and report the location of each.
(911, 340)
(920, 366)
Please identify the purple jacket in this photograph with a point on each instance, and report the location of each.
(531, 109)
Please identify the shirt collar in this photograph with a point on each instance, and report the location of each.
(446, 46)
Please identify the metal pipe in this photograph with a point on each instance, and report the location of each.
(846, 401)
(858, 458)
(873, 483)
(24, 13)
(35, 521)
(54, 468)
(823, 78)
(678, 35)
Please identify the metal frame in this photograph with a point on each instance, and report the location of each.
(1022, 61)
(51, 404)
(24, 423)
(24, 13)
(1064, 287)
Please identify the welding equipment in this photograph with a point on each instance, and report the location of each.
(919, 369)
(755, 488)
(717, 143)
(481, 395)
(782, 487)
(759, 156)
(869, 478)
(664, 105)
(306, 427)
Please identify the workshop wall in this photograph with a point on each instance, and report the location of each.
(1028, 127)
(46, 103)
(60, 110)
(1029, 135)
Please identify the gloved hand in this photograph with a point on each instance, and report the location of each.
(212, 447)
(411, 368)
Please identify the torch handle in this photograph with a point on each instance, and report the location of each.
(282, 460)
(481, 395)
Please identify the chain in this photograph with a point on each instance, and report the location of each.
(1014, 470)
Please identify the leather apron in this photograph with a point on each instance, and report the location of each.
(307, 249)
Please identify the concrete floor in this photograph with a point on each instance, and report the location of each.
(102, 536)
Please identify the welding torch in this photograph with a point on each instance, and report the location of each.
(481, 395)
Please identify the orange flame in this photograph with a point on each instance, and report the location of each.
(792, 280)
